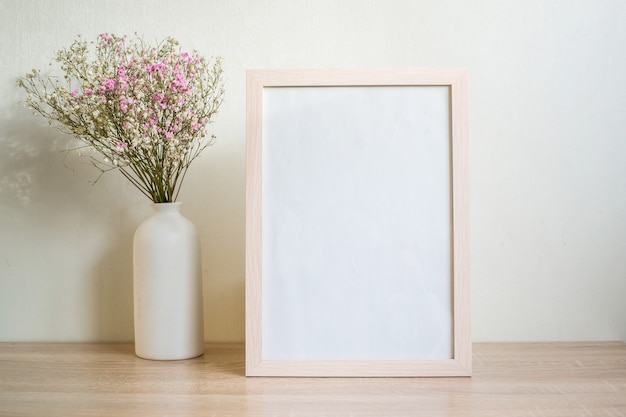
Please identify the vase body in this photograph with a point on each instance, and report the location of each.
(167, 286)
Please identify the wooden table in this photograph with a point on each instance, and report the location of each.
(537, 379)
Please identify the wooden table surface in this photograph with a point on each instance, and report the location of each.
(535, 379)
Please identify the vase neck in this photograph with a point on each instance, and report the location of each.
(166, 208)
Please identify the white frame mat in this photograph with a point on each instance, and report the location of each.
(357, 241)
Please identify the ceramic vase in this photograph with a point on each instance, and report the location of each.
(167, 286)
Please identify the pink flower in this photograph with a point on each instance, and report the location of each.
(195, 126)
(74, 93)
(88, 93)
(109, 84)
(106, 38)
(123, 79)
(169, 135)
(124, 105)
(121, 147)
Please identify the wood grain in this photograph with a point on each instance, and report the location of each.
(254, 213)
(535, 379)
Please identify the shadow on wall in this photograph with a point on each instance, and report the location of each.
(24, 149)
(48, 205)
(112, 282)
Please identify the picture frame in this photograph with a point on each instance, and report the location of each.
(357, 223)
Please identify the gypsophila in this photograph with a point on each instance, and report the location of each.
(144, 109)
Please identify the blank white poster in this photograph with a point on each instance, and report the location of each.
(356, 223)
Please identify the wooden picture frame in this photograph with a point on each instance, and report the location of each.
(357, 218)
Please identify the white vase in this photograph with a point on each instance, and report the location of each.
(167, 278)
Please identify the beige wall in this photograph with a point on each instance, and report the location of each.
(548, 157)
